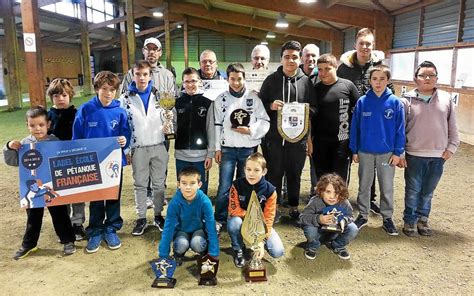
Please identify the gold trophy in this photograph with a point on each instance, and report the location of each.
(254, 231)
(167, 101)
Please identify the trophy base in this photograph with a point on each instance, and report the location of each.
(331, 228)
(170, 136)
(208, 281)
(166, 283)
(256, 275)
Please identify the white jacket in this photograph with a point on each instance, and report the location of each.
(259, 124)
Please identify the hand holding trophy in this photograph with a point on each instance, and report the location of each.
(254, 231)
(167, 101)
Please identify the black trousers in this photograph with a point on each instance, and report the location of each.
(61, 222)
(332, 157)
(287, 159)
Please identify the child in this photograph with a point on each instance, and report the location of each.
(61, 115)
(38, 123)
(149, 156)
(331, 191)
(241, 122)
(189, 220)
(240, 193)
(195, 135)
(98, 118)
(377, 138)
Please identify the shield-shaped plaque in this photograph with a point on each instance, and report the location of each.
(208, 267)
(293, 121)
(338, 221)
(163, 268)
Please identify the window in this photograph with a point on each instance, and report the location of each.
(465, 68)
(402, 66)
(98, 11)
(443, 62)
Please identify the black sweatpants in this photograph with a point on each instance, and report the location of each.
(332, 157)
(287, 159)
(61, 222)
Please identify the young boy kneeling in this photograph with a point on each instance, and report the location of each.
(189, 220)
(331, 190)
(240, 193)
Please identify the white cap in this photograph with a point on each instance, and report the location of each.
(154, 41)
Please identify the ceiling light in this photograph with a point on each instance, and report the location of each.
(179, 26)
(264, 42)
(158, 14)
(307, 1)
(281, 21)
(271, 35)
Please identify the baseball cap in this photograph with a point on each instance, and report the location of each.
(154, 41)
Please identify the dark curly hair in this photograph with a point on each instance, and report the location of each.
(337, 182)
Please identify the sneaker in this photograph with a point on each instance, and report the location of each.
(361, 221)
(374, 208)
(424, 227)
(409, 229)
(389, 227)
(277, 217)
(310, 254)
(79, 232)
(93, 244)
(140, 226)
(342, 253)
(112, 239)
(294, 214)
(218, 228)
(69, 249)
(149, 202)
(24, 252)
(159, 222)
(239, 259)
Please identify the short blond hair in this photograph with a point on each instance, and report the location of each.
(257, 157)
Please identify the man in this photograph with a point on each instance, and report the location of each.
(308, 60)
(260, 57)
(208, 66)
(163, 79)
(431, 139)
(336, 98)
(287, 84)
(354, 67)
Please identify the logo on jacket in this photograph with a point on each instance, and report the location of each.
(202, 111)
(249, 102)
(388, 113)
(113, 124)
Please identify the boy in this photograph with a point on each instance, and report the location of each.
(330, 190)
(38, 124)
(149, 156)
(62, 115)
(189, 220)
(377, 138)
(99, 118)
(195, 135)
(240, 193)
(241, 122)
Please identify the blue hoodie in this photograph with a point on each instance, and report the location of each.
(378, 124)
(188, 217)
(144, 95)
(93, 120)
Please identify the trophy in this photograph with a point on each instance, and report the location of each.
(208, 267)
(167, 101)
(338, 223)
(253, 232)
(239, 117)
(164, 269)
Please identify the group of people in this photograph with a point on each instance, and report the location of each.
(355, 117)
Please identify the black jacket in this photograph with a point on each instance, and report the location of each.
(61, 122)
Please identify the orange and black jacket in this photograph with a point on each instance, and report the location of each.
(239, 199)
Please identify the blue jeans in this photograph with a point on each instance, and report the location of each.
(231, 157)
(199, 165)
(315, 236)
(422, 175)
(197, 241)
(273, 245)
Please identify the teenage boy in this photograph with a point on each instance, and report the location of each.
(195, 134)
(287, 84)
(189, 220)
(241, 122)
(148, 154)
(99, 118)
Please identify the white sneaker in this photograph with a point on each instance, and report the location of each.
(149, 203)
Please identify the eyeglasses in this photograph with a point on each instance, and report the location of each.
(155, 49)
(424, 76)
(191, 81)
(208, 62)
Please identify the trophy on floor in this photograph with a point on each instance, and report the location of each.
(167, 101)
(208, 267)
(164, 269)
(253, 231)
(338, 222)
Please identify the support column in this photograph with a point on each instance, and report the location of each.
(86, 52)
(33, 54)
(123, 40)
(130, 32)
(337, 44)
(185, 38)
(12, 56)
(167, 35)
